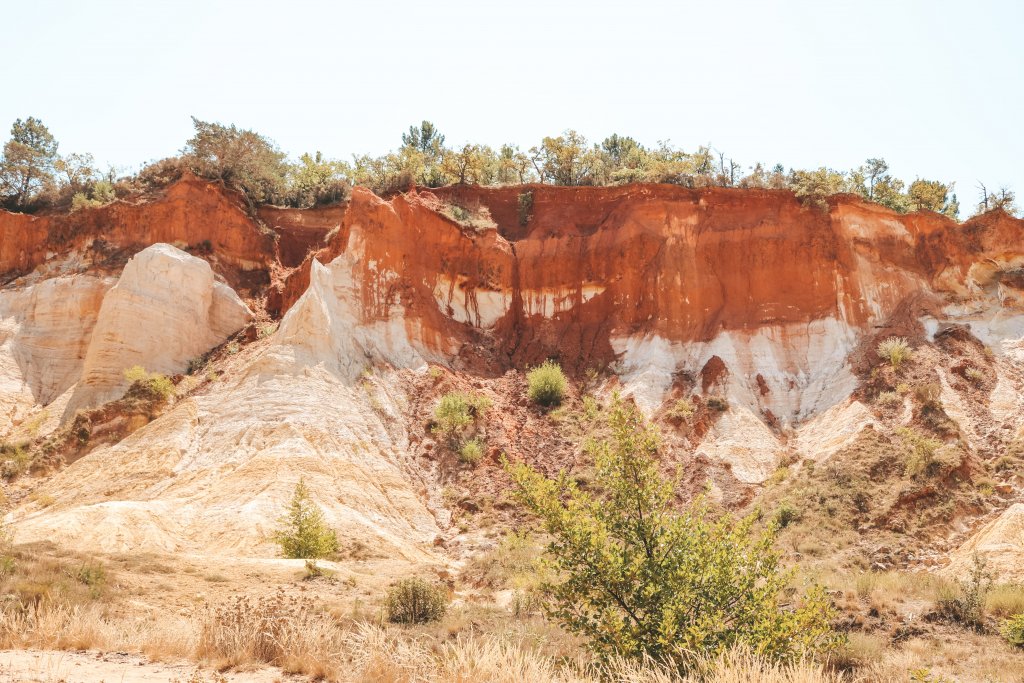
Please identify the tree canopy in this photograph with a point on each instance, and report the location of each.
(28, 161)
(34, 175)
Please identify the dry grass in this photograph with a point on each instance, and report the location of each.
(282, 630)
(1005, 600)
(57, 609)
(291, 634)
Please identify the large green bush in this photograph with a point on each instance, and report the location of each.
(546, 384)
(640, 579)
(416, 601)
(302, 531)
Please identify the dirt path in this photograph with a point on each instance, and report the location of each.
(51, 666)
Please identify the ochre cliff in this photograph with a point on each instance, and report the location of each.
(776, 295)
(192, 213)
(747, 295)
(662, 277)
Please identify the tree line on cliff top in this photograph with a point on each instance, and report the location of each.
(34, 176)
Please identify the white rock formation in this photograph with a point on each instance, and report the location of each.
(805, 367)
(214, 473)
(165, 309)
(742, 440)
(833, 430)
(44, 333)
(326, 327)
(1000, 543)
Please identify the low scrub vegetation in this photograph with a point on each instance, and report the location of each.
(681, 410)
(14, 458)
(926, 456)
(964, 601)
(719, 404)
(1005, 600)
(546, 384)
(1013, 630)
(416, 601)
(149, 384)
(895, 350)
(471, 451)
(888, 399)
(456, 418)
(475, 216)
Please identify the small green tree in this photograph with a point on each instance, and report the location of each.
(303, 533)
(640, 579)
(317, 180)
(815, 187)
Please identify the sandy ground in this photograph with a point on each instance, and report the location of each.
(48, 666)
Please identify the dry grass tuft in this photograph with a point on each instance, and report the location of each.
(282, 630)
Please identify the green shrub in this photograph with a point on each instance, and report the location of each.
(416, 601)
(455, 412)
(927, 456)
(303, 533)
(92, 575)
(1013, 630)
(546, 384)
(156, 386)
(786, 514)
(639, 578)
(928, 393)
(313, 570)
(896, 350)
(681, 409)
(471, 451)
(525, 208)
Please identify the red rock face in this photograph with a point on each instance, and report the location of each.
(566, 269)
(301, 231)
(191, 213)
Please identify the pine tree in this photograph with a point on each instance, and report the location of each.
(303, 533)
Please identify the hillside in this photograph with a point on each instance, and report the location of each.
(314, 344)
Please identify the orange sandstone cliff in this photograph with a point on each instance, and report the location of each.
(590, 276)
(324, 320)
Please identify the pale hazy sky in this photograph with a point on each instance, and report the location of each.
(933, 86)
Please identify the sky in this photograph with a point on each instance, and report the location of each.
(932, 86)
